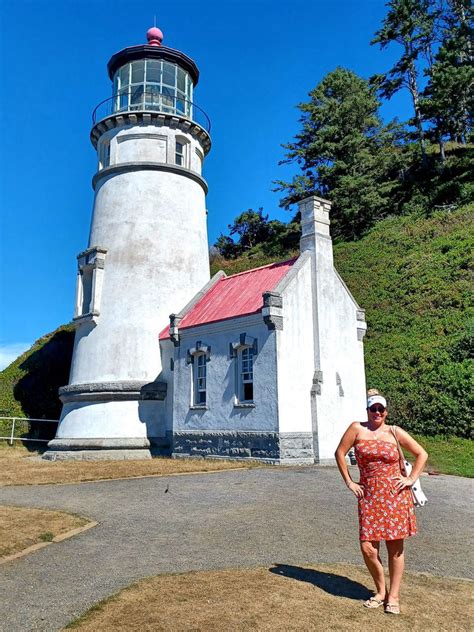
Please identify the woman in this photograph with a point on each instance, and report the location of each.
(386, 510)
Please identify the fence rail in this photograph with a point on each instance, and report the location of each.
(14, 426)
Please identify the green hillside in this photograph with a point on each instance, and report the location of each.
(412, 274)
(29, 386)
(414, 278)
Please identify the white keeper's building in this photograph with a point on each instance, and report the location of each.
(267, 364)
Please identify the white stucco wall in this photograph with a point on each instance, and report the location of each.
(110, 420)
(295, 344)
(167, 375)
(153, 225)
(342, 354)
(130, 143)
(222, 413)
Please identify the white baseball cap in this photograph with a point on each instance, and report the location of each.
(376, 399)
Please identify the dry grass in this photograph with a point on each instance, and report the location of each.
(22, 527)
(281, 598)
(17, 467)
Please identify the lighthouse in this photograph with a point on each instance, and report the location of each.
(147, 254)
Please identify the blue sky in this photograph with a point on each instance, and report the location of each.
(258, 59)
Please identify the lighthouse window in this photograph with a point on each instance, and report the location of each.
(153, 84)
(181, 85)
(104, 154)
(169, 74)
(124, 74)
(137, 96)
(180, 154)
(153, 71)
(138, 72)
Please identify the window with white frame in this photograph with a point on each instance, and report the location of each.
(179, 155)
(181, 152)
(198, 357)
(244, 351)
(245, 368)
(199, 379)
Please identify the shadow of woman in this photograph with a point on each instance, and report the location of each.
(331, 583)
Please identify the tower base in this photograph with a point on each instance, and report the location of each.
(113, 449)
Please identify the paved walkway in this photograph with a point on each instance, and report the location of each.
(256, 517)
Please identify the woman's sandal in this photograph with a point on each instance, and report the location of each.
(373, 603)
(392, 608)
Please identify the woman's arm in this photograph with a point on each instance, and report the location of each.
(343, 448)
(408, 443)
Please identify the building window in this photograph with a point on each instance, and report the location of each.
(198, 357)
(246, 375)
(244, 351)
(199, 379)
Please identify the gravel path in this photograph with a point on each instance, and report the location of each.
(254, 517)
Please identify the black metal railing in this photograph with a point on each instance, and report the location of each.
(151, 102)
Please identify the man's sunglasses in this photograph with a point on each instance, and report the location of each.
(377, 409)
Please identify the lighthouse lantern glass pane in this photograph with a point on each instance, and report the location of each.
(123, 98)
(153, 71)
(181, 84)
(137, 96)
(138, 72)
(124, 74)
(152, 96)
(169, 74)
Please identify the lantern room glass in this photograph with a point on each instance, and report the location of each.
(153, 84)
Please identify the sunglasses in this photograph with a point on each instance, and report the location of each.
(377, 408)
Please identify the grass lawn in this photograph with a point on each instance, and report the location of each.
(280, 598)
(22, 527)
(18, 467)
(451, 455)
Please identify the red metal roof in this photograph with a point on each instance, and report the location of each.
(234, 296)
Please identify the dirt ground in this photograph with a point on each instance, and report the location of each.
(18, 467)
(279, 598)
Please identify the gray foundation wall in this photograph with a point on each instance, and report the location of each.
(273, 447)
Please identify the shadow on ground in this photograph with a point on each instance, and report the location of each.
(336, 585)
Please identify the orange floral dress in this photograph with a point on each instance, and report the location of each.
(384, 513)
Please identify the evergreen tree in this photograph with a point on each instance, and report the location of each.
(409, 23)
(447, 101)
(345, 154)
(251, 227)
(227, 247)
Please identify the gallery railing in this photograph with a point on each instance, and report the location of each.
(151, 102)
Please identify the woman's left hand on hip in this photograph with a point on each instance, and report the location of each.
(401, 482)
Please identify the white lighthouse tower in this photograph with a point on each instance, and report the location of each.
(147, 251)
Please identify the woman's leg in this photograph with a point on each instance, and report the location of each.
(371, 552)
(396, 566)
